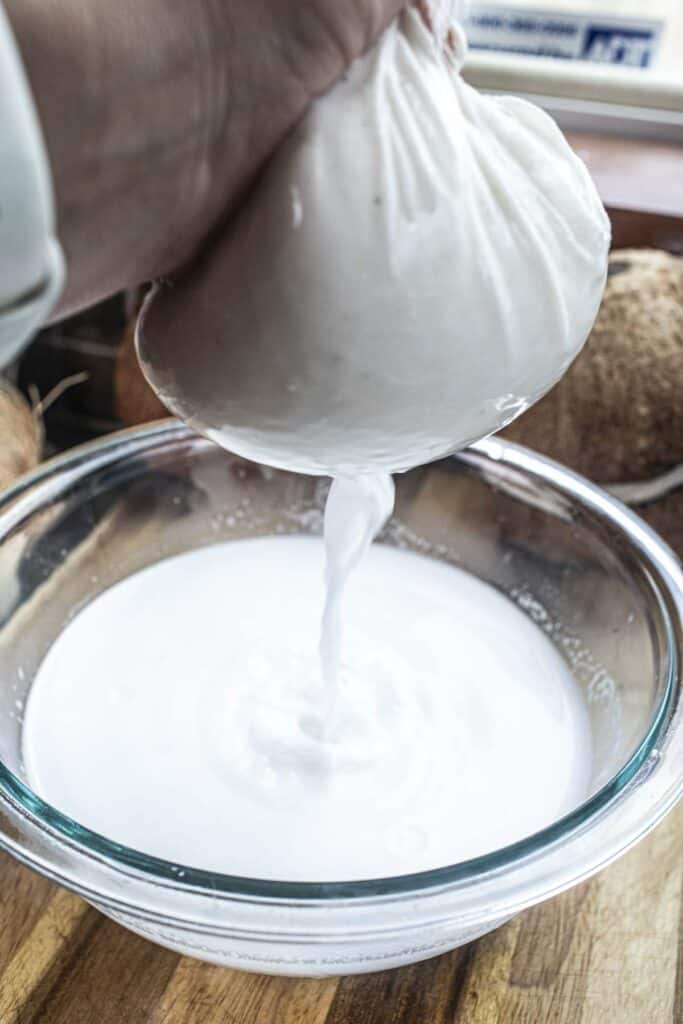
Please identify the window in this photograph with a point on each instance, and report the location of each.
(596, 65)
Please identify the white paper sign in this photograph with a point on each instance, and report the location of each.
(623, 40)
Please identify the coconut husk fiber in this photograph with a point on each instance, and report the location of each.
(617, 414)
(21, 435)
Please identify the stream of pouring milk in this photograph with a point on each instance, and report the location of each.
(184, 712)
(356, 510)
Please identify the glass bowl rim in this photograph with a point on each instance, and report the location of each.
(51, 477)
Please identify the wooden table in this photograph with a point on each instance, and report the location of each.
(608, 952)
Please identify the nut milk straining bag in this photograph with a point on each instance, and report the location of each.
(416, 265)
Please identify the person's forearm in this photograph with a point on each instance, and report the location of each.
(113, 111)
(133, 99)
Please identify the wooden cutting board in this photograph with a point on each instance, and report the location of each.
(608, 952)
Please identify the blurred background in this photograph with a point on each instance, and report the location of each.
(620, 33)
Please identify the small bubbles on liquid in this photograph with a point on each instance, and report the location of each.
(601, 688)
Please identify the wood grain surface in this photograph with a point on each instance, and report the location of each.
(607, 952)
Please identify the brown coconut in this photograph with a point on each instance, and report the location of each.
(617, 414)
(21, 435)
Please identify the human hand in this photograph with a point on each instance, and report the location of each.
(158, 115)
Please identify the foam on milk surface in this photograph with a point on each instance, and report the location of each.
(179, 713)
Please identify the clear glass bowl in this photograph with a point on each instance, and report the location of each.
(604, 587)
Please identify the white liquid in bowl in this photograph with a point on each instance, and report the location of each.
(181, 713)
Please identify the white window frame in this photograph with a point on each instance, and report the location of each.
(586, 97)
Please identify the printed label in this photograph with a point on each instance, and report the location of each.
(626, 41)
